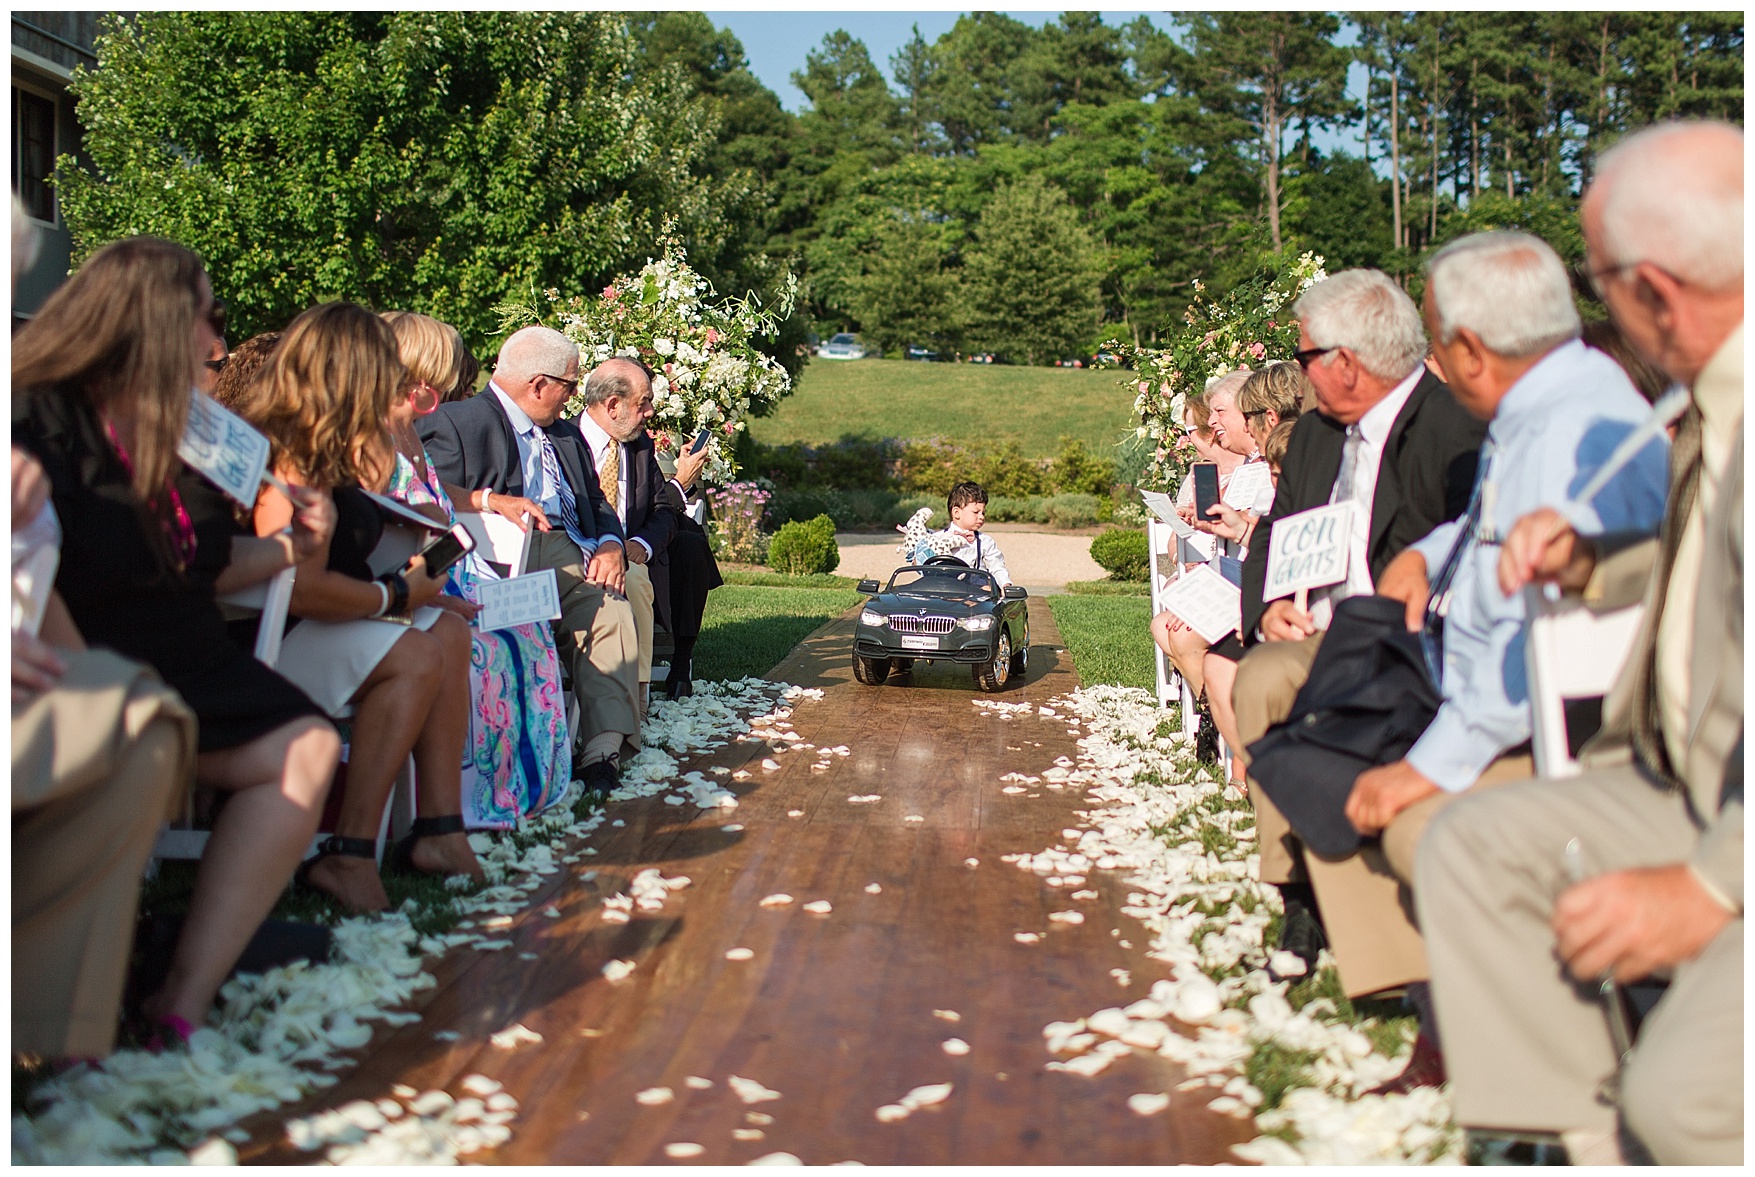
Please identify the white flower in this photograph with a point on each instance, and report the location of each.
(663, 346)
(660, 386)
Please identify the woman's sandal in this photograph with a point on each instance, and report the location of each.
(402, 858)
(335, 846)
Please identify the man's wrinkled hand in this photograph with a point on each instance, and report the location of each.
(608, 568)
(1379, 794)
(523, 512)
(1285, 622)
(1632, 923)
(1405, 581)
(688, 466)
(1542, 546)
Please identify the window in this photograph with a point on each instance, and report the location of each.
(33, 152)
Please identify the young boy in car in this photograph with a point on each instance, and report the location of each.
(963, 539)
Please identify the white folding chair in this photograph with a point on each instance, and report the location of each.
(1570, 652)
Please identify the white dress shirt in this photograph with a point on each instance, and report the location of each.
(1372, 431)
(600, 442)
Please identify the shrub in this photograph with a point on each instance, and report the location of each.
(1077, 471)
(1033, 509)
(1122, 554)
(1073, 510)
(851, 463)
(796, 504)
(932, 467)
(869, 508)
(803, 549)
(1007, 472)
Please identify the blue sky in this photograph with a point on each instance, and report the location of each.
(776, 44)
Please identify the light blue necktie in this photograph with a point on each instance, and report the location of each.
(551, 470)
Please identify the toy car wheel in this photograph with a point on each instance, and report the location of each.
(901, 665)
(992, 676)
(870, 671)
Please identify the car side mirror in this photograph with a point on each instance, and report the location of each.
(1015, 592)
(867, 586)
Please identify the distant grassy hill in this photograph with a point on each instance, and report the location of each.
(985, 403)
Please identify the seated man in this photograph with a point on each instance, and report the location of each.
(1499, 310)
(694, 572)
(1389, 437)
(618, 403)
(967, 505)
(509, 441)
(1657, 818)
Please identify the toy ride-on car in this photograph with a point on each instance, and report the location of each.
(946, 611)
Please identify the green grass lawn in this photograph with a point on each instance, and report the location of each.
(969, 403)
(1109, 637)
(750, 628)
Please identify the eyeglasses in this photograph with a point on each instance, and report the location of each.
(1251, 414)
(1595, 274)
(216, 317)
(571, 384)
(1304, 355)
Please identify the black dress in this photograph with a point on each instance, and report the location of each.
(121, 590)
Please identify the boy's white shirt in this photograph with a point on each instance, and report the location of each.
(991, 560)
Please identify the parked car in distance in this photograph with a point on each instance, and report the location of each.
(942, 610)
(919, 351)
(844, 346)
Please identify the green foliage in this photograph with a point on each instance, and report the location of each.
(850, 463)
(905, 508)
(1076, 469)
(802, 549)
(406, 160)
(1076, 510)
(906, 295)
(1107, 638)
(1032, 276)
(1125, 555)
(1108, 588)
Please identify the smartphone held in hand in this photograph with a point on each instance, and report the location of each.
(447, 550)
(1206, 488)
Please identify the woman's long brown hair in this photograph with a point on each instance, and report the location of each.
(120, 332)
(324, 397)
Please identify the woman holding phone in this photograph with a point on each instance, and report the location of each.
(394, 646)
(517, 760)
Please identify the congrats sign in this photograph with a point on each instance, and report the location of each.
(1308, 550)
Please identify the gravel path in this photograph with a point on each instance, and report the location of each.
(1036, 559)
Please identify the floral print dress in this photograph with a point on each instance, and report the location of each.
(516, 759)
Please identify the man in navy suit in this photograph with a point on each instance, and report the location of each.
(618, 403)
(508, 442)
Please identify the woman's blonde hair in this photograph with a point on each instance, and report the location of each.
(431, 351)
(324, 398)
(119, 331)
(1278, 388)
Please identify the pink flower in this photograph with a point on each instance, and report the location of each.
(610, 294)
(1257, 350)
(713, 335)
(1145, 387)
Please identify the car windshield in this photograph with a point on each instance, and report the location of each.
(944, 581)
(841, 339)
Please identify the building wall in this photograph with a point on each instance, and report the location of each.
(46, 48)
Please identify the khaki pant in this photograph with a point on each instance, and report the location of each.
(605, 656)
(640, 598)
(1525, 1046)
(1268, 678)
(96, 765)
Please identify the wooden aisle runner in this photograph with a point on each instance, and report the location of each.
(835, 1012)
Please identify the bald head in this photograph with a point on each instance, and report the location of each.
(618, 377)
(1672, 195)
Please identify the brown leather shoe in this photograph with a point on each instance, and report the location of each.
(1425, 1069)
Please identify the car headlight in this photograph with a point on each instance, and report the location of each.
(867, 617)
(977, 624)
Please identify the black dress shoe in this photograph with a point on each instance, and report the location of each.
(1301, 934)
(599, 777)
(678, 687)
(1425, 1069)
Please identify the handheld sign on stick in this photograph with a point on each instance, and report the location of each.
(227, 449)
(1308, 550)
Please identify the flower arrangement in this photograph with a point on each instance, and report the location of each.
(708, 372)
(1248, 327)
(737, 521)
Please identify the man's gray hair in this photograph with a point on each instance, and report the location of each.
(535, 351)
(1673, 196)
(1509, 288)
(616, 377)
(1365, 311)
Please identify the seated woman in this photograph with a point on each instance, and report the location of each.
(393, 646)
(517, 760)
(102, 377)
(1268, 401)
